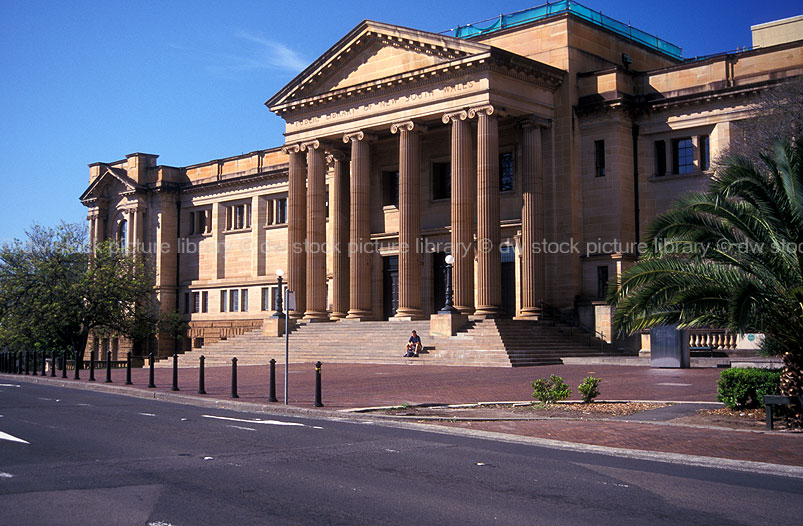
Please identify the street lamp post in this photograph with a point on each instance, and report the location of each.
(278, 313)
(448, 308)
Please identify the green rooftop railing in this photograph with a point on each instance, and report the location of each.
(568, 6)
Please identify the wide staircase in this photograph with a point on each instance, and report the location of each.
(483, 342)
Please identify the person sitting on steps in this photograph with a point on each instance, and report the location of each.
(413, 346)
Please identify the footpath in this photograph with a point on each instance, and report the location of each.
(348, 388)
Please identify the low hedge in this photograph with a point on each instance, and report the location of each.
(741, 388)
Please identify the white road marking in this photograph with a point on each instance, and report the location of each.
(85, 405)
(40, 398)
(245, 428)
(209, 458)
(267, 422)
(12, 438)
(5, 475)
(9, 385)
(146, 414)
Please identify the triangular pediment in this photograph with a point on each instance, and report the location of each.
(110, 181)
(373, 51)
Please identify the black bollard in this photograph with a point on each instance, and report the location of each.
(201, 382)
(44, 363)
(64, 364)
(34, 364)
(20, 364)
(151, 385)
(234, 378)
(77, 375)
(53, 364)
(92, 366)
(175, 372)
(128, 369)
(318, 402)
(272, 397)
(27, 362)
(108, 367)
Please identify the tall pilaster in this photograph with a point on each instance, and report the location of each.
(489, 259)
(316, 232)
(409, 220)
(463, 208)
(297, 228)
(532, 219)
(339, 215)
(360, 227)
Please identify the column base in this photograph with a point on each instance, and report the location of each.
(316, 316)
(338, 315)
(358, 314)
(489, 312)
(463, 309)
(407, 315)
(530, 313)
(296, 314)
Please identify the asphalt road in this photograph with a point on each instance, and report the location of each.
(91, 458)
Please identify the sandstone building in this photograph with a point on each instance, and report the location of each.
(534, 147)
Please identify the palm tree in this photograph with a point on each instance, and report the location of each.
(729, 257)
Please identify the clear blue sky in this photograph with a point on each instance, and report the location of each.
(93, 81)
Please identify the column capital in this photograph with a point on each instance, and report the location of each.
(409, 126)
(292, 148)
(358, 136)
(453, 116)
(310, 145)
(533, 121)
(333, 155)
(486, 110)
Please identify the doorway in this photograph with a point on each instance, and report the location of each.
(438, 281)
(390, 286)
(508, 281)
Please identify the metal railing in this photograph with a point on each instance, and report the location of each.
(555, 315)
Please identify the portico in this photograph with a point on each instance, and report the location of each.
(399, 87)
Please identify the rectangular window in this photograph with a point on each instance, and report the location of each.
(441, 180)
(244, 300)
(602, 281)
(191, 230)
(186, 303)
(234, 300)
(705, 152)
(682, 156)
(223, 302)
(266, 298)
(506, 172)
(660, 158)
(238, 217)
(196, 302)
(599, 158)
(205, 301)
(390, 188)
(280, 206)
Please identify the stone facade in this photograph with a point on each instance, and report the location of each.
(535, 154)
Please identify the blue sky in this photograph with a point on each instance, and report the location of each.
(93, 81)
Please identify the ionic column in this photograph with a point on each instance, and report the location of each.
(532, 219)
(131, 229)
(409, 220)
(462, 238)
(360, 227)
(297, 228)
(489, 259)
(339, 215)
(93, 229)
(316, 232)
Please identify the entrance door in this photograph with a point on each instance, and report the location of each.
(438, 280)
(508, 281)
(390, 282)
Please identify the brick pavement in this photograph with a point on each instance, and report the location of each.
(350, 386)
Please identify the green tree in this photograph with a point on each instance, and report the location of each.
(173, 325)
(54, 291)
(729, 257)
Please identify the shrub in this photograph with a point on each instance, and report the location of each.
(550, 390)
(744, 388)
(589, 389)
